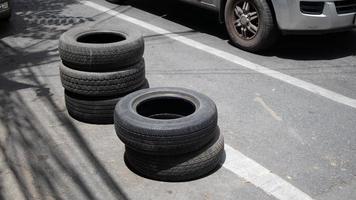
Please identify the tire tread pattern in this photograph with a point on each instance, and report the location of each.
(179, 168)
(103, 84)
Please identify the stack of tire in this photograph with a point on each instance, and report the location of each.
(99, 67)
(171, 134)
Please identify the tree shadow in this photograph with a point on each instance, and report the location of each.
(195, 18)
(39, 167)
(31, 153)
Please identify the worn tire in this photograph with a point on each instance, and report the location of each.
(165, 121)
(178, 168)
(103, 83)
(267, 32)
(94, 110)
(110, 49)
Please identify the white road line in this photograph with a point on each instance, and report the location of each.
(261, 177)
(232, 58)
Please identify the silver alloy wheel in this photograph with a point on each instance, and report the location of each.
(246, 20)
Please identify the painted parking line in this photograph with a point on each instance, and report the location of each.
(235, 161)
(261, 177)
(232, 58)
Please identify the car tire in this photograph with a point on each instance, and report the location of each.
(100, 50)
(165, 121)
(183, 167)
(94, 110)
(103, 83)
(257, 21)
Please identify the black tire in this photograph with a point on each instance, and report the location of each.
(108, 49)
(266, 33)
(184, 167)
(165, 121)
(99, 110)
(103, 83)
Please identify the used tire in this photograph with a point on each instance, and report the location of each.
(103, 83)
(250, 24)
(94, 110)
(165, 121)
(109, 49)
(178, 168)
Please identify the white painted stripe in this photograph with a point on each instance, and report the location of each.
(232, 58)
(261, 177)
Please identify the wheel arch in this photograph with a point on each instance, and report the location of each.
(222, 10)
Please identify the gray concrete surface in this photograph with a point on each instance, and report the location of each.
(47, 155)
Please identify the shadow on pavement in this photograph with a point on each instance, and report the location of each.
(298, 47)
(195, 18)
(28, 153)
(316, 47)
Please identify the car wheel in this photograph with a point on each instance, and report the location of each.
(250, 24)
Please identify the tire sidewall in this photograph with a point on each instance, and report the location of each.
(103, 75)
(68, 44)
(70, 37)
(204, 116)
(184, 167)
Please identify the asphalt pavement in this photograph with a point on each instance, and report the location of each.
(307, 139)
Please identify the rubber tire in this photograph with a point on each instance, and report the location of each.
(103, 83)
(165, 137)
(100, 57)
(93, 110)
(267, 33)
(184, 167)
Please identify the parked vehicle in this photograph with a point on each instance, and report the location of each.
(5, 10)
(254, 25)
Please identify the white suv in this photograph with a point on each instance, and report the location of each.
(253, 25)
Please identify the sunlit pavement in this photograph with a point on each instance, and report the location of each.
(302, 137)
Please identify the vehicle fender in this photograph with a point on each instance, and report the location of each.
(277, 7)
(281, 10)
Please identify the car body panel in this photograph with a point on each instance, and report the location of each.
(289, 18)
